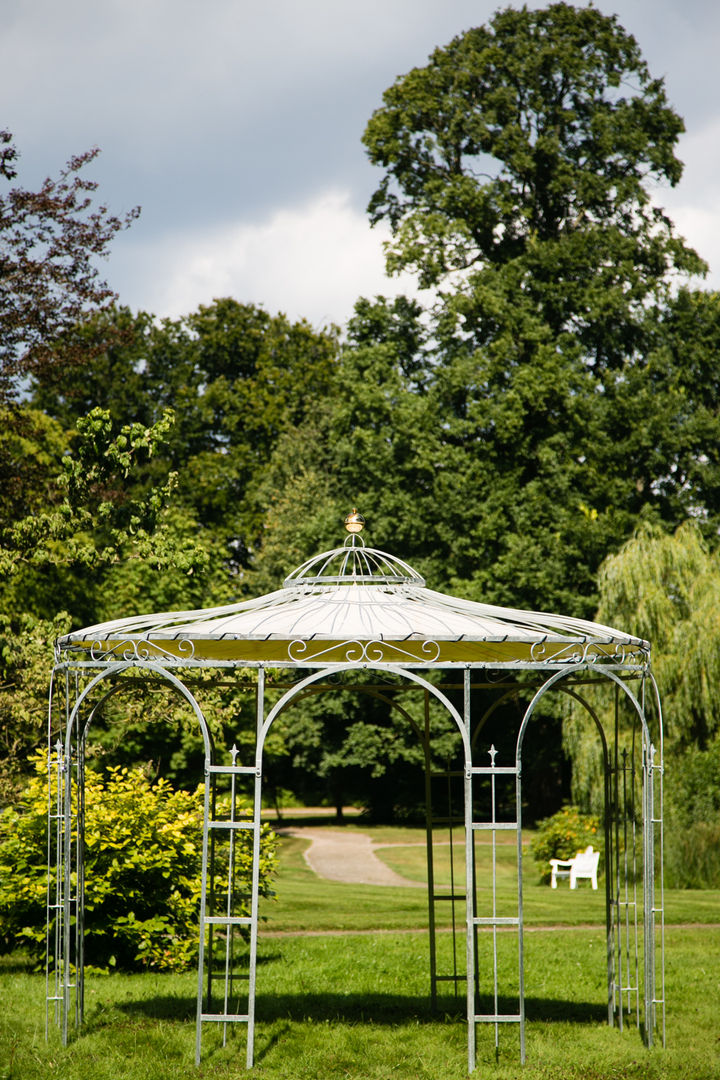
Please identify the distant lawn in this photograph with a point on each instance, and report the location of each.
(355, 1007)
(307, 903)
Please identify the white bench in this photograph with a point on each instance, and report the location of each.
(584, 865)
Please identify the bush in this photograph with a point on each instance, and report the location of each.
(143, 861)
(692, 819)
(692, 855)
(563, 835)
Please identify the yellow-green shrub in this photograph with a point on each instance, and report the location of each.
(143, 857)
(563, 835)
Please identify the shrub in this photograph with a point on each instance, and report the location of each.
(563, 835)
(692, 819)
(143, 860)
(692, 856)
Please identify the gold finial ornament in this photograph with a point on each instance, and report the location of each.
(354, 522)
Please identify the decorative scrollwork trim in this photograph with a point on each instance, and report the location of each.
(588, 652)
(142, 649)
(357, 652)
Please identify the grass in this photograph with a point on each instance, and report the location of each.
(354, 1006)
(308, 904)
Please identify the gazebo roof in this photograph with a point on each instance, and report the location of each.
(357, 604)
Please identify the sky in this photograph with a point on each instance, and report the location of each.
(236, 126)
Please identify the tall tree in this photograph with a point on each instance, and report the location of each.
(543, 126)
(517, 171)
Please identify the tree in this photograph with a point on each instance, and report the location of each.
(90, 521)
(236, 377)
(49, 242)
(666, 588)
(517, 165)
(87, 548)
(524, 133)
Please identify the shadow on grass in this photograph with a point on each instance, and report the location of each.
(298, 821)
(178, 1007)
(18, 964)
(396, 1008)
(380, 1009)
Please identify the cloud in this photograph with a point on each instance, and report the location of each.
(312, 260)
(237, 126)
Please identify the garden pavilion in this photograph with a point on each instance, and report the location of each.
(359, 615)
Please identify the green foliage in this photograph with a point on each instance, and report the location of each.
(143, 856)
(91, 516)
(26, 647)
(525, 131)
(562, 835)
(50, 241)
(666, 588)
(92, 520)
(692, 817)
(237, 379)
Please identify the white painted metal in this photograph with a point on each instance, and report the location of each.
(362, 605)
(356, 609)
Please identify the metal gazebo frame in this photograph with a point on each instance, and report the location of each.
(358, 610)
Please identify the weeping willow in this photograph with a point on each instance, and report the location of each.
(666, 589)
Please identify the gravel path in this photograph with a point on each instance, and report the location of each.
(348, 857)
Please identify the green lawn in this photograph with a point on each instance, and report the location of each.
(307, 904)
(346, 1006)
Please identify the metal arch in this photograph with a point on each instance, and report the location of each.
(400, 672)
(145, 666)
(648, 821)
(99, 704)
(557, 677)
(649, 809)
(658, 705)
(516, 691)
(588, 708)
(463, 726)
(512, 692)
(114, 669)
(120, 686)
(371, 692)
